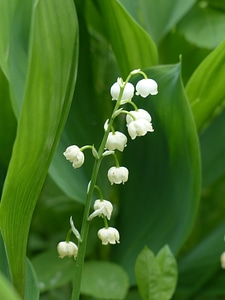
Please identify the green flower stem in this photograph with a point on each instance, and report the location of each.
(85, 223)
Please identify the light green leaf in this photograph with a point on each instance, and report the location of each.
(157, 17)
(168, 270)
(148, 273)
(48, 92)
(104, 280)
(7, 291)
(205, 89)
(156, 276)
(161, 196)
(210, 23)
(132, 46)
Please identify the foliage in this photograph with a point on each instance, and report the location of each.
(58, 60)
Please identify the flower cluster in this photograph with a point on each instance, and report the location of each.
(138, 123)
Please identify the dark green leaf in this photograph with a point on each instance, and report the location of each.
(201, 264)
(160, 200)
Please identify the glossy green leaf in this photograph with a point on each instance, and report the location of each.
(205, 89)
(159, 201)
(48, 92)
(132, 46)
(156, 275)
(7, 291)
(157, 17)
(104, 280)
(210, 23)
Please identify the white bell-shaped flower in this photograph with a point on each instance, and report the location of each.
(140, 125)
(103, 208)
(118, 175)
(74, 155)
(116, 140)
(146, 87)
(128, 92)
(109, 235)
(67, 249)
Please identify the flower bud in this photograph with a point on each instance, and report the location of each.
(67, 249)
(146, 87)
(118, 175)
(116, 140)
(128, 91)
(109, 235)
(74, 155)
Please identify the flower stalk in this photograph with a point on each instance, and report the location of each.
(138, 124)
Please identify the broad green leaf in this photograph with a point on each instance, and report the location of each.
(160, 200)
(148, 275)
(132, 46)
(31, 283)
(210, 23)
(58, 273)
(157, 17)
(201, 264)
(205, 89)
(104, 280)
(168, 270)
(7, 291)
(156, 275)
(48, 92)
(213, 150)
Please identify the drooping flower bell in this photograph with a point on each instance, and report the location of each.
(67, 249)
(128, 92)
(140, 125)
(118, 175)
(146, 87)
(102, 208)
(116, 140)
(109, 235)
(74, 155)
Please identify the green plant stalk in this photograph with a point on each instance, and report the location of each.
(85, 223)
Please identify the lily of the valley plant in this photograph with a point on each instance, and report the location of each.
(139, 123)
